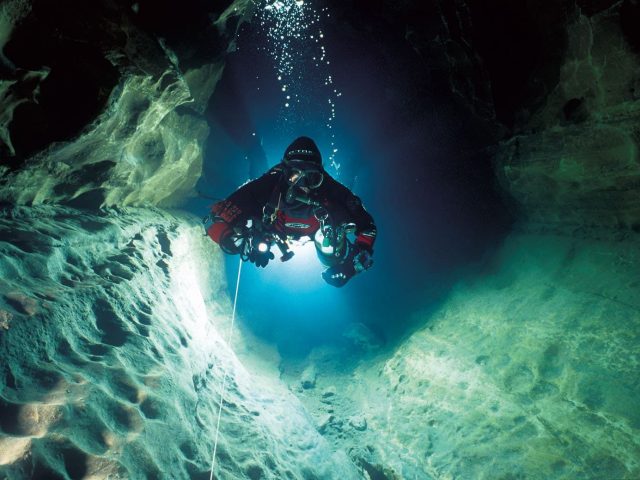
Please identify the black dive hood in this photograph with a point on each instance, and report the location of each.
(303, 165)
(303, 149)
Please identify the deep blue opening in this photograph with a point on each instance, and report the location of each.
(402, 147)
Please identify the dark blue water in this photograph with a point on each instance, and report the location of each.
(401, 147)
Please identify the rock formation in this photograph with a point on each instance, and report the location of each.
(510, 133)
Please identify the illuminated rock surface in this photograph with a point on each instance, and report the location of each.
(114, 347)
(115, 352)
(527, 370)
(103, 103)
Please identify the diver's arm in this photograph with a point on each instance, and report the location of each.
(365, 227)
(245, 203)
(360, 257)
(366, 231)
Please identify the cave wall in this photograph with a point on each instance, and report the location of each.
(529, 366)
(574, 165)
(527, 370)
(548, 91)
(113, 340)
(103, 102)
(558, 85)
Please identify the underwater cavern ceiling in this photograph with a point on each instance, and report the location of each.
(496, 144)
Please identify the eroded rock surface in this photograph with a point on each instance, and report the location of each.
(102, 102)
(528, 370)
(113, 351)
(576, 165)
(110, 323)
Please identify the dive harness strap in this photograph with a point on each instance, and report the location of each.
(332, 237)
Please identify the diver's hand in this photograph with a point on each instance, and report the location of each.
(339, 275)
(362, 261)
(260, 259)
(358, 261)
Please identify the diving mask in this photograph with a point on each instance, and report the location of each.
(304, 174)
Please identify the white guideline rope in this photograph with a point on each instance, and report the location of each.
(224, 375)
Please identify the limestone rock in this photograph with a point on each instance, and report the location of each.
(572, 177)
(103, 105)
(5, 319)
(13, 449)
(22, 303)
(329, 392)
(535, 353)
(309, 377)
(359, 422)
(324, 422)
(135, 356)
(577, 168)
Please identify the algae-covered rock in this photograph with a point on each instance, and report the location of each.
(104, 103)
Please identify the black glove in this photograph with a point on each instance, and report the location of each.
(340, 274)
(261, 259)
(358, 260)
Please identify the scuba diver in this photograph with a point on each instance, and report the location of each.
(296, 200)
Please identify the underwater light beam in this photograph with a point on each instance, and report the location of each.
(295, 44)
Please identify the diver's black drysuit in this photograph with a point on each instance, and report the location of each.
(274, 209)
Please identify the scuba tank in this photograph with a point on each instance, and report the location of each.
(330, 241)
